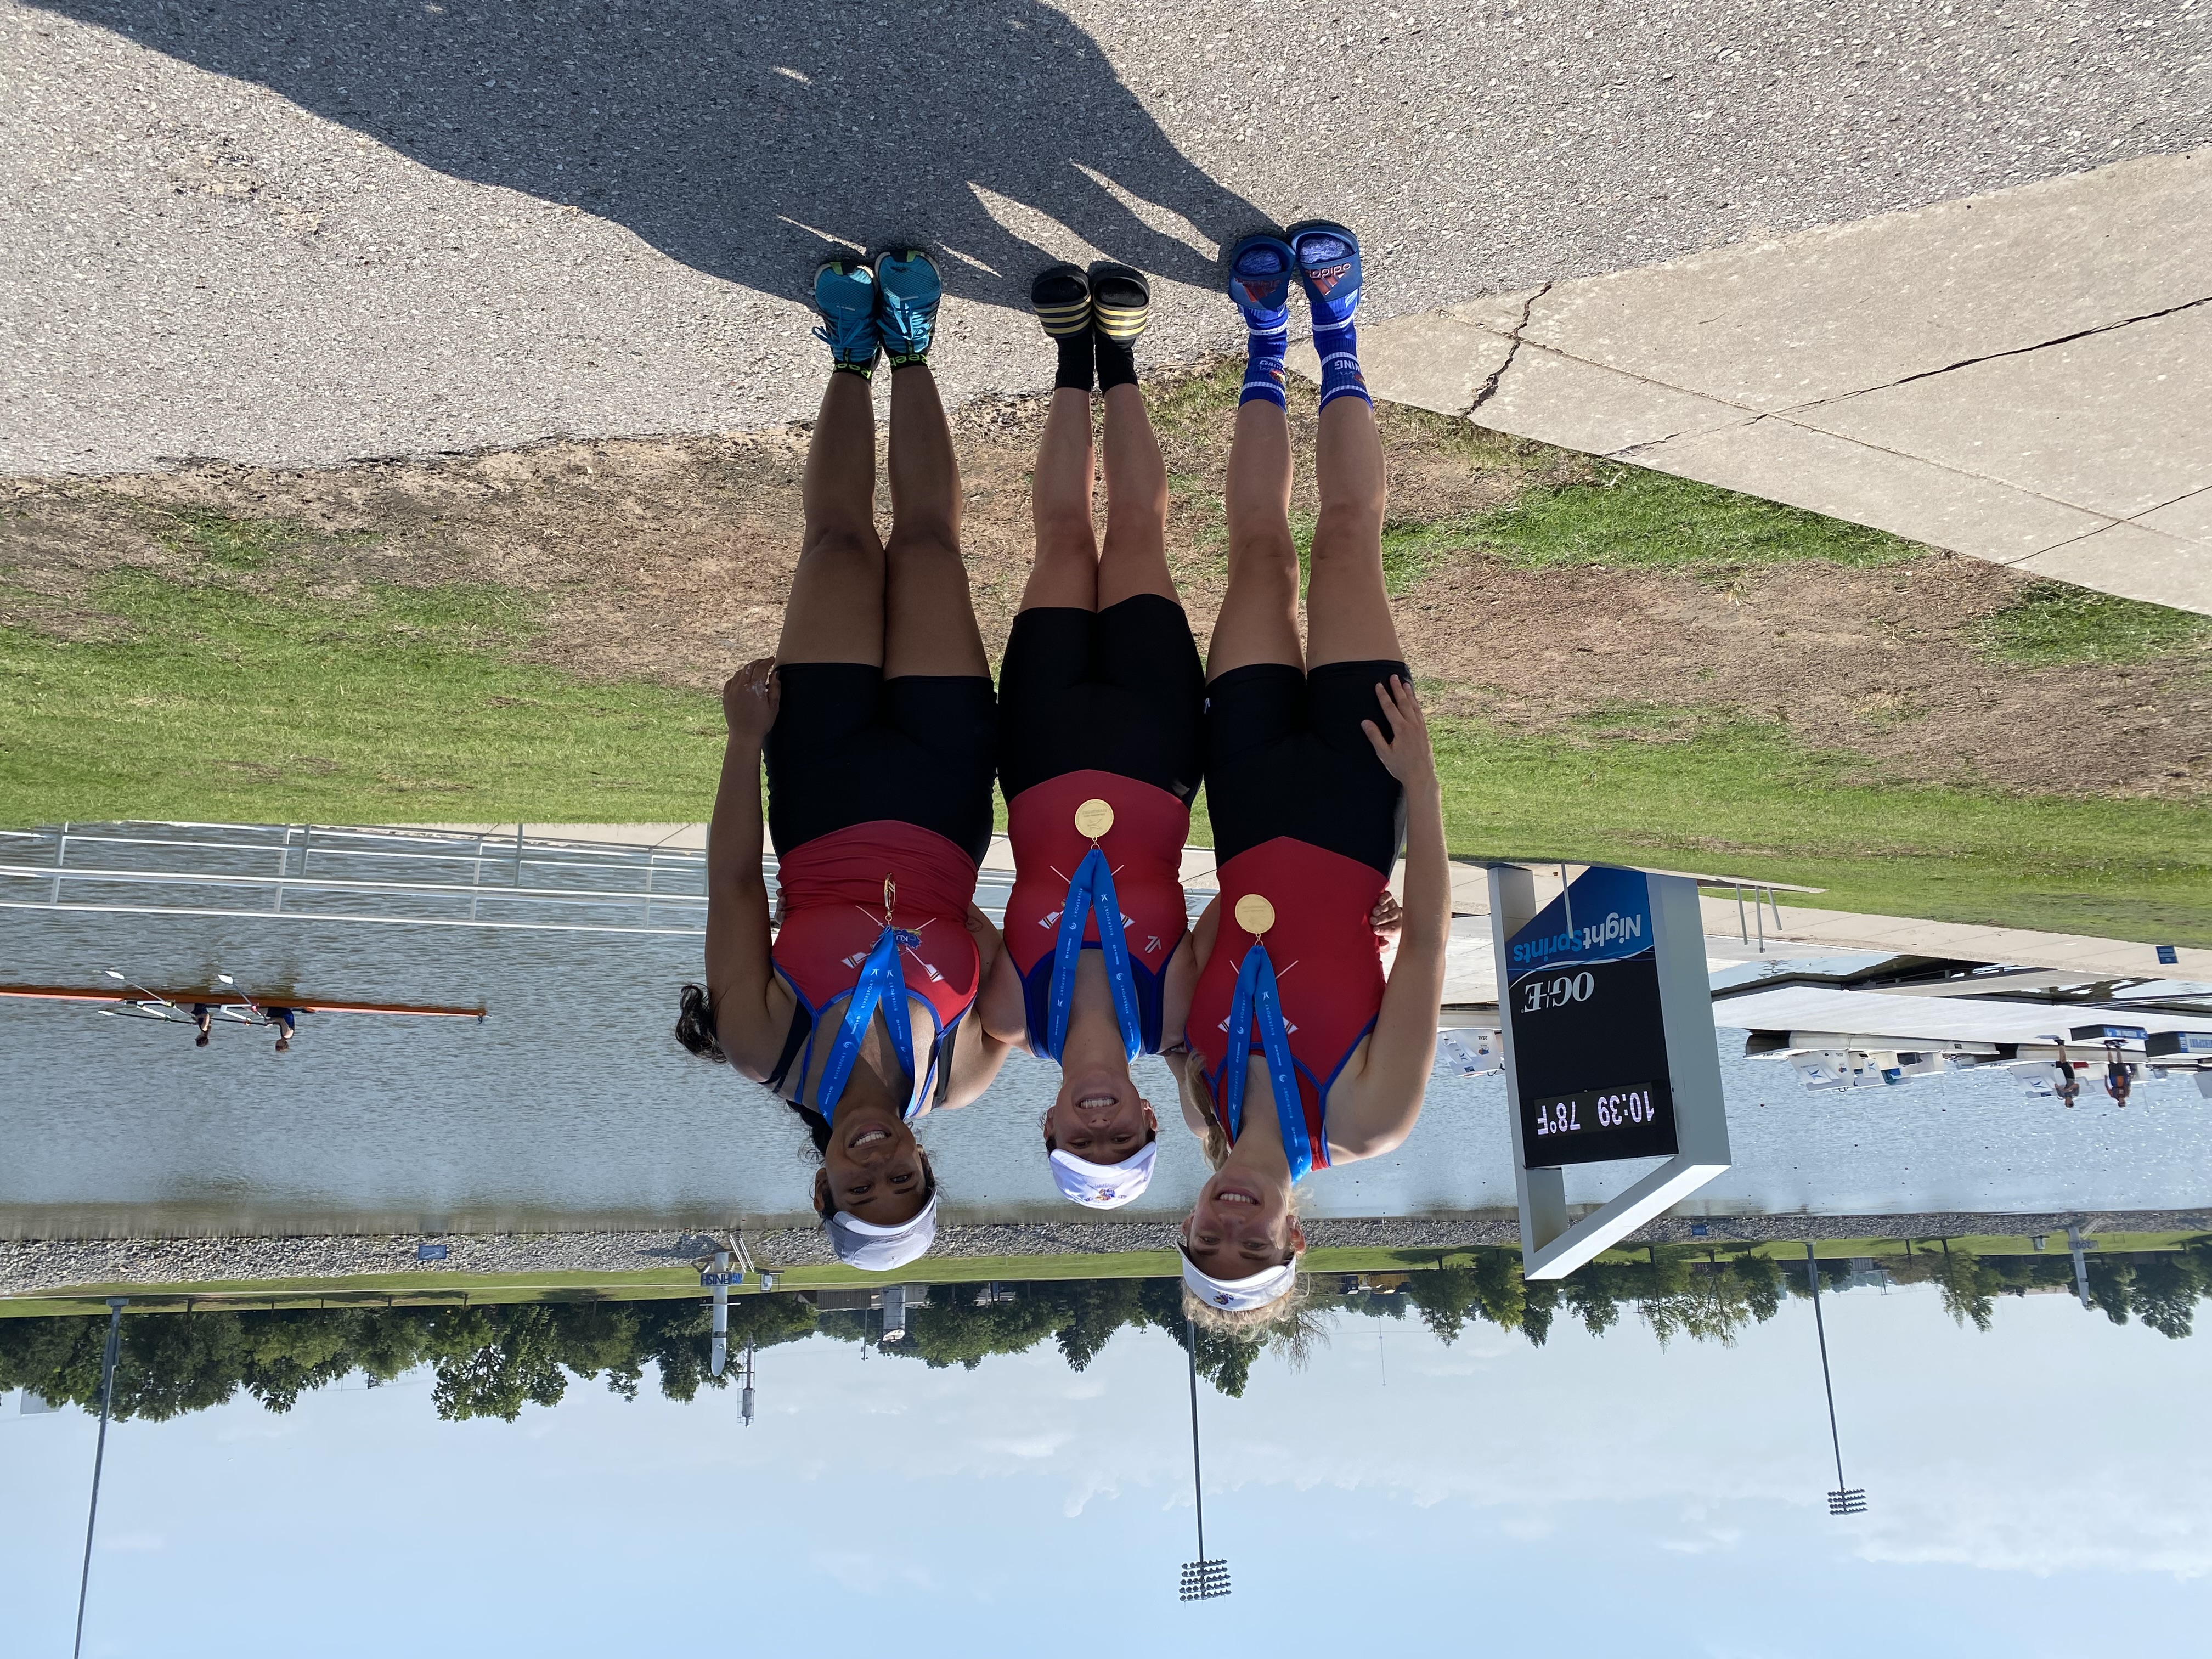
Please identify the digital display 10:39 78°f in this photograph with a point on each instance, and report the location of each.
(1595, 1109)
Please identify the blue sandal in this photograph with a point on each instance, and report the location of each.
(1328, 268)
(1259, 270)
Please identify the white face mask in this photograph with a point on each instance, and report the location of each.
(1103, 1186)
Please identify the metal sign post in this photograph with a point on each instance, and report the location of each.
(1610, 1053)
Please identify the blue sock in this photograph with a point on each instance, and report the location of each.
(1339, 364)
(1263, 368)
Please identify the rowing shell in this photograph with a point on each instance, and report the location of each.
(230, 998)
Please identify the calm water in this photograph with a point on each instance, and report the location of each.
(2033, 1489)
(571, 1105)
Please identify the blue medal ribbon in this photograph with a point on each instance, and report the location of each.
(1257, 995)
(880, 983)
(1093, 885)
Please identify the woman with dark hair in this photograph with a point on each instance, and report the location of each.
(877, 726)
(1303, 1052)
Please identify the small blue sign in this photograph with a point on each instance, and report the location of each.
(430, 1252)
(2108, 1034)
(711, 1281)
(2168, 957)
(1612, 922)
(1698, 1229)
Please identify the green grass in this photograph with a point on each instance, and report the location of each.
(1741, 798)
(2053, 623)
(1192, 405)
(422, 1288)
(1685, 789)
(206, 697)
(1628, 518)
(231, 691)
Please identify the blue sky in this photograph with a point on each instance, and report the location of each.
(2043, 1489)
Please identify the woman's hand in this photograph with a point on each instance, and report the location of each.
(1386, 918)
(749, 701)
(1406, 754)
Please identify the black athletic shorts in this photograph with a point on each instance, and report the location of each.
(1285, 755)
(1116, 690)
(849, 747)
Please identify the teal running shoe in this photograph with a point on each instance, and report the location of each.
(907, 289)
(845, 300)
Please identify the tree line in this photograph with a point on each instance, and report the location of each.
(490, 1361)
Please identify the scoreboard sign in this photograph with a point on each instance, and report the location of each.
(1590, 1042)
(1605, 1007)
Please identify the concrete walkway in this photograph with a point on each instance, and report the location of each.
(292, 233)
(1788, 921)
(2024, 376)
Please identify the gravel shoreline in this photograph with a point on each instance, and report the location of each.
(36, 1266)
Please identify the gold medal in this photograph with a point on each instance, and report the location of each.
(1093, 818)
(1255, 915)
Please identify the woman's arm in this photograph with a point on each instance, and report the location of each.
(1002, 1006)
(977, 1057)
(1189, 1078)
(1182, 980)
(1385, 1098)
(739, 973)
(980, 1045)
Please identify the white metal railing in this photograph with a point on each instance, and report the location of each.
(384, 876)
(327, 872)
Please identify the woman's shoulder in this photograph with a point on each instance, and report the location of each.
(752, 1030)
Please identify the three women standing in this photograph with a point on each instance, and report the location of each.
(1294, 1048)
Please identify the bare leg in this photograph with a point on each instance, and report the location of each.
(1135, 560)
(1259, 619)
(1348, 613)
(930, 626)
(1064, 574)
(835, 611)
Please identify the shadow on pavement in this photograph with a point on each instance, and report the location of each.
(745, 140)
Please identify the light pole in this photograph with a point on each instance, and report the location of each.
(115, 1307)
(1202, 1580)
(1844, 1500)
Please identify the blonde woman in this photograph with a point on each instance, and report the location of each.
(1303, 1052)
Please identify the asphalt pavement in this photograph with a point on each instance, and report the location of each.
(293, 232)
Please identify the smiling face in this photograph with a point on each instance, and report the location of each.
(1099, 1118)
(1241, 1225)
(872, 1169)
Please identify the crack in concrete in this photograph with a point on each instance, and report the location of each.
(1993, 356)
(1512, 351)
